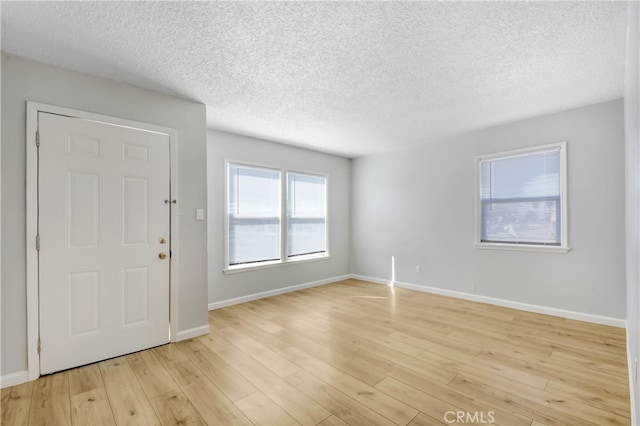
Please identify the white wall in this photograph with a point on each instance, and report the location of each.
(222, 146)
(632, 136)
(24, 80)
(418, 205)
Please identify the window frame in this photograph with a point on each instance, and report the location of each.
(284, 225)
(564, 213)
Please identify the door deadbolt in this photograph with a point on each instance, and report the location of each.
(162, 241)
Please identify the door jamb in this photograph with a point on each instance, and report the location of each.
(33, 307)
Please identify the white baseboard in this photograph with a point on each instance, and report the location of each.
(13, 379)
(192, 332)
(262, 295)
(580, 316)
(370, 279)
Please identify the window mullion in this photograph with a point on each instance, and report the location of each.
(284, 219)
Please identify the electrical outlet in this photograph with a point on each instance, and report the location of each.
(418, 269)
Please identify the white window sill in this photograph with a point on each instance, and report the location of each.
(273, 264)
(522, 247)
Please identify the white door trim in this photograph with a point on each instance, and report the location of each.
(33, 108)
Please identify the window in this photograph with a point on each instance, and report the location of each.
(256, 200)
(522, 199)
(306, 214)
(253, 215)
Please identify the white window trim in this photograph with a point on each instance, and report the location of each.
(284, 259)
(564, 228)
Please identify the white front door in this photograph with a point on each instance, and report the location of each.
(103, 226)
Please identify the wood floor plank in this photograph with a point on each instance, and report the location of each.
(262, 411)
(435, 342)
(270, 359)
(338, 403)
(378, 336)
(423, 420)
(214, 341)
(154, 379)
(387, 361)
(491, 339)
(214, 407)
(51, 404)
(265, 338)
(128, 400)
(252, 316)
(85, 379)
(168, 354)
(337, 342)
(466, 364)
(609, 402)
(332, 421)
(16, 403)
(184, 373)
(302, 323)
(214, 321)
(182, 370)
(92, 407)
(229, 381)
(565, 328)
(380, 402)
(559, 402)
(173, 408)
(328, 354)
(545, 367)
(608, 368)
(507, 401)
(427, 404)
(296, 404)
(456, 398)
(596, 352)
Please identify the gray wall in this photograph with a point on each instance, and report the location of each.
(418, 206)
(632, 136)
(222, 146)
(24, 80)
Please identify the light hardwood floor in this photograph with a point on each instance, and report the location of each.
(350, 353)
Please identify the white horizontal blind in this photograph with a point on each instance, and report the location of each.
(521, 199)
(306, 214)
(253, 214)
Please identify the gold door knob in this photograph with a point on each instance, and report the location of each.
(162, 255)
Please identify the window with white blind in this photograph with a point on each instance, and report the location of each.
(253, 215)
(258, 231)
(522, 199)
(306, 214)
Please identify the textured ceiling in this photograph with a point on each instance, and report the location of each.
(351, 78)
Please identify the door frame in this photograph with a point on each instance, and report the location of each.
(33, 304)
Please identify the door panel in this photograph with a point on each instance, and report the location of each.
(84, 302)
(135, 210)
(83, 218)
(103, 289)
(135, 295)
